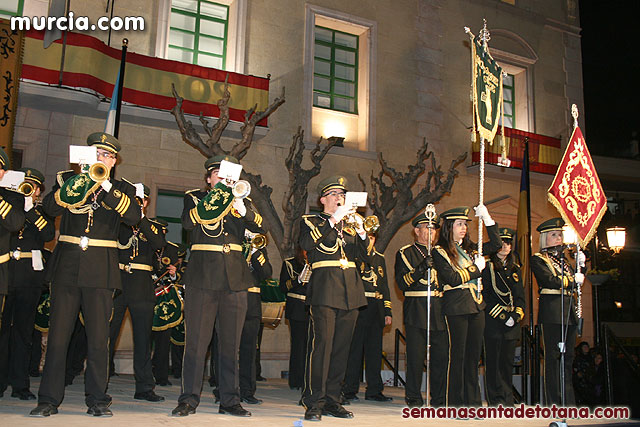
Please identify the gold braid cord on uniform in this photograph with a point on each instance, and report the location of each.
(75, 191)
(467, 282)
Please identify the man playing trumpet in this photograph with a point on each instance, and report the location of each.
(84, 273)
(334, 294)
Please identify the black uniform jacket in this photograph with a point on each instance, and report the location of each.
(217, 270)
(504, 295)
(459, 294)
(376, 288)
(333, 286)
(261, 270)
(409, 280)
(37, 230)
(162, 258)
(137, 245)
(295, 309)
(97, 266)
(547, 270)
(11, 220)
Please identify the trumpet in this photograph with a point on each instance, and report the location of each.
(241, 189)
(371, 224)
(26, 188)
(98, 172)
(259, 241)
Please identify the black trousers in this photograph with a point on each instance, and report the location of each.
(177, 351)
(416, 359)
(160, 360)
(498, 369)
(465, 334)
(551, 336)
(328, 354)
(36, 352)
(140, 305)
(16, 334)
(76, 352)
(201, 309)
(366, 344)
(298, 331)
(249, 348)
(97, 305)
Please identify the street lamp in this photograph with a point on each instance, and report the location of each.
(616, 238)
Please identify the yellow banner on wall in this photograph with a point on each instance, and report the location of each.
(11, 46)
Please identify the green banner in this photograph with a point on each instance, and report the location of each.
(75, 190)
(487, 90)
(215, 204)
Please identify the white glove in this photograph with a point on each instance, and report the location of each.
(510, 322)
(106, 185)
(28, 203)
(480, 262)
(238, 205)
(483, 214)
(360, 226)
(581, 258)
(139, 190)
(579, 278)
(341, 212)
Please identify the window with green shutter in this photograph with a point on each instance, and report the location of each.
(509, 100)
(169, 206)
(9, 8)
(335, 70)
(198, 32)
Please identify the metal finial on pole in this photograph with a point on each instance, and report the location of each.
(484, 35)
(574, 114)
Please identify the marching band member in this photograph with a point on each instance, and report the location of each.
(258, 262)
(504, 296)
(334, 294)
(458, 268)
(293, 283)
(216, 284)
(555, 278)
(26, 271)
(412, 262)
(84, 273)
(370, 324)
(136, 248)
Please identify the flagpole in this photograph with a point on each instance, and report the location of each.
(64, 46)
(528, 236)
(125, 43)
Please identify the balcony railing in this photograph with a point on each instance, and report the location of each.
(545, 152)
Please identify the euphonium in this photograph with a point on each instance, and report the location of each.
(259, 241)
(241, 189)
(26, 188)
(98, 172)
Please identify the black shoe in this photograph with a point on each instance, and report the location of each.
(43, 410)
(163, 383)
(260, 378)
(150, 395)
(182, 410)
(313, 414)
(337, 411)
(379, 398)
(235, 410)
(23, 394)
(414, 403)
(251, 400)
(350, 397)
(100, 410)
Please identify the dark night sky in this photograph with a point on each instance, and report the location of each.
(611, 72)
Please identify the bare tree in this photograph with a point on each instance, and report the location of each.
(395, 204)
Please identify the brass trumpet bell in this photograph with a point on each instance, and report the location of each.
(26, 188)
(259, 241)
(241, 189)
(371, 224)
(98, 172)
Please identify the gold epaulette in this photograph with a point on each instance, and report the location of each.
(191, 191)
(172, 244)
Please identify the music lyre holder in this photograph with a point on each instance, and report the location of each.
(430, 214)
